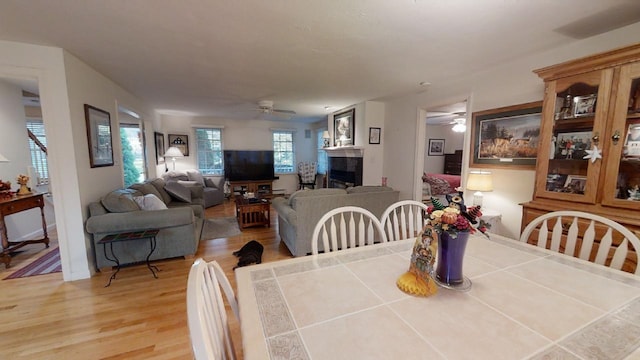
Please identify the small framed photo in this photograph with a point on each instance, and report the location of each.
(99, 136)
(436, 147)
(584, 105)
(575, 184)
(374, 135)
(632, 142)
(181, 142)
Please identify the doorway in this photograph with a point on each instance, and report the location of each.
(442, 147)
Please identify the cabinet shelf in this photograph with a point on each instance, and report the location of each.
(565, 181)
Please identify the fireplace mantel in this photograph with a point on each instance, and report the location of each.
(344, 151)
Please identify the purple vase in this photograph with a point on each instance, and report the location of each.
(450, 258)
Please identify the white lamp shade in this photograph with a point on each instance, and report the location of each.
(173, 152)
(3, 159)
(325, 135)
(480, 181)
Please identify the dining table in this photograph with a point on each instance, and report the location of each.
(525, 302)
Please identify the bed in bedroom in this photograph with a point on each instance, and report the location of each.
(438, 185)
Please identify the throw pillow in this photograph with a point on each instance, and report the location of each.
(119, 201)
(195, 175)
(178, 191)
(149, 202)
(159, 185)
(145, 189)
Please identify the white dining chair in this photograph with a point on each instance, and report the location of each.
(583, 234)
(403, 219)
(206, 314)
(346, 227)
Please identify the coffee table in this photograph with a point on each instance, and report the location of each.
(253, 212)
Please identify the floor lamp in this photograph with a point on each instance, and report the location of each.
(173, 152)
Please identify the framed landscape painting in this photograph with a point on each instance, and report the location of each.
(506, 137)
(99, 136)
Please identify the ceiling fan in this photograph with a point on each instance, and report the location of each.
(266, 107)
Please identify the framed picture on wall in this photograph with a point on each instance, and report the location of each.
(436, 147)
(343, 125)
(374, 135)
(506, 137)
(99, 136)
(160, 150)
(181, 142)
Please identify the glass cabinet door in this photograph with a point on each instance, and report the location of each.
(574, 118)
(622, 177)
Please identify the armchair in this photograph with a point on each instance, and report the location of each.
(307, 174)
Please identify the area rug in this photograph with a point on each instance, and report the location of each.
(46, 264)
(220, 228)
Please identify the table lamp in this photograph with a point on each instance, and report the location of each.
(326, 137)
(479, 181)
(173, 152)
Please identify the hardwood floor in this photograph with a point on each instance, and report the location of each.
(137, 317)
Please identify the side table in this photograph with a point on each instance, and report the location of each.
(491, 217)
(129, 236)
(12, 205)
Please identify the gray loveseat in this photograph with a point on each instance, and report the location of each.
(298, 215)
(213, 187)
(180, 223)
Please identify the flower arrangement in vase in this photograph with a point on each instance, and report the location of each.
(446, 231)
(23, 180)
(450, 225)
(5, 189)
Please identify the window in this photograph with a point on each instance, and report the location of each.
(209, 151)
(132, 153)
(283, 156)
(322, 154)
(38, 148)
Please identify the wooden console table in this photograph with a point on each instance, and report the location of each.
(16, 204)
(252, 213)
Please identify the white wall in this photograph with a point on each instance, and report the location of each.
(507, 84)
(452, 141)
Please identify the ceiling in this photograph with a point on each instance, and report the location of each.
(219, 58)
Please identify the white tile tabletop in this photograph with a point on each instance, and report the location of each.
(525, 303)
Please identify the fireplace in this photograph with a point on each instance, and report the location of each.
(345, 172)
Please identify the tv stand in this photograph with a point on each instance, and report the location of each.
(262, 188)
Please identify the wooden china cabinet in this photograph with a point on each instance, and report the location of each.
(591, 106)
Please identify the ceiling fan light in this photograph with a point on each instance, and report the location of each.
(459, 128)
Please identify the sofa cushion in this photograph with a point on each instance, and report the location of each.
(178, 191)
(367, 188)
(195, 175)
(159, 184)
(149, 202)
(174, 176)
(146, 188)
(316, 192)
(120, 201)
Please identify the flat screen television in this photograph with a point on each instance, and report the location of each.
(241, 165)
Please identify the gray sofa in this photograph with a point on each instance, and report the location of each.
(180, 224)
(298, 215)
(213, 187)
